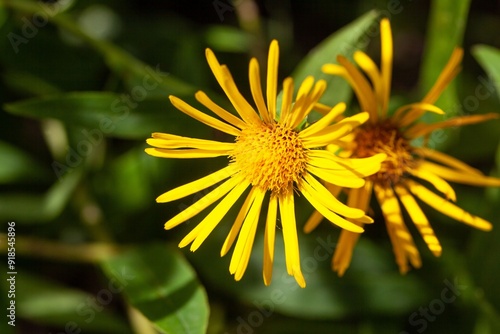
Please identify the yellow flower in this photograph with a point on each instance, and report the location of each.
(407, 168)
(270, 154)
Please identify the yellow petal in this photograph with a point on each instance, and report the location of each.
(358, 198)
(402, 241)
(447, 160)
(195, 186)
(363, 196)
(308, 104)
(287, 214)
(256, 88)
(353, 167)
(332, 132)
(447, 208)
(227, 84)
(304, 89)
(338, 179)
(243, 248)
(386, 66)
(317, 202)
(361, 200)
(241, 105)
(269, 239)
(334, 69)
(219, 111)
(324, 121)
(185, 142)
(313, 221)
(206, 226)
(203, 118)
(235, 229)
(440, 184)
(317, 217)
(409, 113)
(191, 153)
(367, 64)
(460, 176)
(419, 219)
(343, 252)
(272, 78)
(330, 201)
(362, 88)
(286, 101)
(423, 129)
(449, 72)
(202, 203)
(322, 108)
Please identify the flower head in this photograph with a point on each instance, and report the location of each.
(273, 156)
(407, 168)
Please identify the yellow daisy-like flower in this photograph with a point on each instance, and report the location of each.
(270, 154)
(407, 168)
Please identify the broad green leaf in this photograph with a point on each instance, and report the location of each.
(448, 18)
(18, 166)
(28, 208)
(49, 303)
(163, 286)
(107, 114)
(345, 42)
(489, 58)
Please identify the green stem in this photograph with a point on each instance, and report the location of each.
(86, 253)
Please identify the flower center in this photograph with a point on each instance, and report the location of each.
(384, 137)
(270, 156)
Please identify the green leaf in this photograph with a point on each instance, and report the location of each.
(345, 42)
(29, 83)
(53, 304)
(30, 208)
(227, 38)
(164, 287)
(489, 58)
(18, 166)
(448, 18)
(132, 171)
(107, 114)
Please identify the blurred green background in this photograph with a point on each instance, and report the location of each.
(84, 83)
